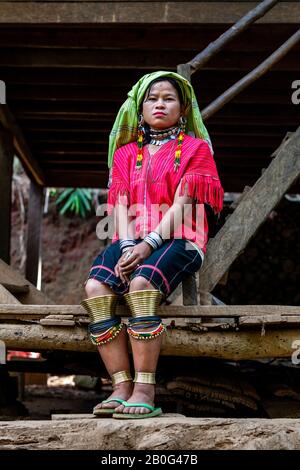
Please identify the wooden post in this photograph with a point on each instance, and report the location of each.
(185, 71)
(35, 214)
(6, 168)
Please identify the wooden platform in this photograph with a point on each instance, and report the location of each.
(236, 332)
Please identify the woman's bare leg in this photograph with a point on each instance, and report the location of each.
(145, 357)
(115, 353)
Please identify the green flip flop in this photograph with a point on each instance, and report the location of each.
(107, 411)
(153, 411)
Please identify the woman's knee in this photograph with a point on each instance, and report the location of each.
(94, 288)
(140, 283)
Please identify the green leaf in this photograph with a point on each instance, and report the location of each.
(64, 194)
(66, 206)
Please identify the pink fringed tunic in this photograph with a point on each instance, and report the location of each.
(150, 190)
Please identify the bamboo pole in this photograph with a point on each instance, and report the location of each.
(235, 30)
(252, 76)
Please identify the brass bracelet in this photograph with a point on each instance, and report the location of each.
(145, 377)
(119, 377)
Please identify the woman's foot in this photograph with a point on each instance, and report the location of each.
(121, 391)
(142, 393)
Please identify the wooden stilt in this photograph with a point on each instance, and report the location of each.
(35, 213)
(6, 166)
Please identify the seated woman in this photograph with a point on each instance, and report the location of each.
(161, 178)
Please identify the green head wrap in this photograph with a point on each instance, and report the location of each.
(125, 127)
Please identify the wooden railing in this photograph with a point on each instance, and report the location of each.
(189, 286)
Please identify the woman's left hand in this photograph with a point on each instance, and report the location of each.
(134, 258)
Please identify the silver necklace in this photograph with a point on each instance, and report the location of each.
(162, 137)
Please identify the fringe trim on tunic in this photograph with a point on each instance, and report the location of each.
(205, 189)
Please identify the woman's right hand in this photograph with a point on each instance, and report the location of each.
(118, 271)
(131, 259)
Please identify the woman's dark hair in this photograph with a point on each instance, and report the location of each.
(158, 80)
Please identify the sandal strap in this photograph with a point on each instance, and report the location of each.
(140, 405)
(110, 400)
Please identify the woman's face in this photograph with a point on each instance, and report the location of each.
(162, 108)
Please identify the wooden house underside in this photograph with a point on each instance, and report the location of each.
(66, 77)
(67, 67)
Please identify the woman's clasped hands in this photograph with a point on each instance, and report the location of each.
(131, 259)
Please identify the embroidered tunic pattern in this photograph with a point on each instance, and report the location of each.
(151, 189)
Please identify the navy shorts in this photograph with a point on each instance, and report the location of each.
(165, 268)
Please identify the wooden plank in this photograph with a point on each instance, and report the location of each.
(34, 225)
(31, 165)
(110, 59)
(252, 76)
(242, 225)
(263, 319)
(27, 93)
(46, 322)
(228, 345)
(60, 317)
(11, 277)
(165, 311)
(180, 36)
(77, 178)
(6, 169)
(16, 289)
(6, 297)
(269, 320)
(125, 78)
(139, 12)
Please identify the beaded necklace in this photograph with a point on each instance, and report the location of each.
(161, 137)
(178, 150)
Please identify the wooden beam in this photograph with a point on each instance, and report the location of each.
(31, 165)
(133, 59)
(6, 169)
(16, 289)
(228, 345)
(181, 36)
(28, 93)
(104, 112)
(126, 77)
(10, 277)
(43, 12)
(251, 77)
(34, 225)
(242, 225)
(6, 297)
(165, 311)
(240, 26)
(77, 178)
